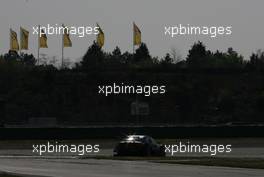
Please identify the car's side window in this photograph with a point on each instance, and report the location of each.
(153, 141)
(146, 140)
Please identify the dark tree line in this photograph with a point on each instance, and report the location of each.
(198, 58)
(206, 87)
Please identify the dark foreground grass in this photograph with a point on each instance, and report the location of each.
(8, 175)
(3, 174)
(254, 163)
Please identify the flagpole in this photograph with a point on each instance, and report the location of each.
(20, 42)
(62, 50)
(10, 39)
(38, 43)
(133, 39)
(137, 102)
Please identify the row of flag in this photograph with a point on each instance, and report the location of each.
(24, 36)
(43, 40)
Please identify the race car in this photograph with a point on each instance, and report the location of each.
(138, 145)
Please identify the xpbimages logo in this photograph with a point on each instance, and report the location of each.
(211, 149)
(146, 90)
(80, 149)
(80, 31)
(187, 30)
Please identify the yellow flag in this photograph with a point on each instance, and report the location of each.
(66, 37)
(43, 40)
(13, 40)
(137, 35)
(100, 37)
(24, 34)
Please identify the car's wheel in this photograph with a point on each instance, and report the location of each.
(162, 151)
(147, 152)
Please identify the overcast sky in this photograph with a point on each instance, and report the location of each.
(116, 17)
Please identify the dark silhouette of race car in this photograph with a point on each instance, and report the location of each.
(139, 145)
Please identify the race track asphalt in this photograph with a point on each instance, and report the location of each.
(114, 168)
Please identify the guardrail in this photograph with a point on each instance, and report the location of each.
(117, 132)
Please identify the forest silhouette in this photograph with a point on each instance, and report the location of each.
(205, 88)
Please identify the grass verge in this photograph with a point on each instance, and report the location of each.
(4, 174)
(8, 175)
(254, 163)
